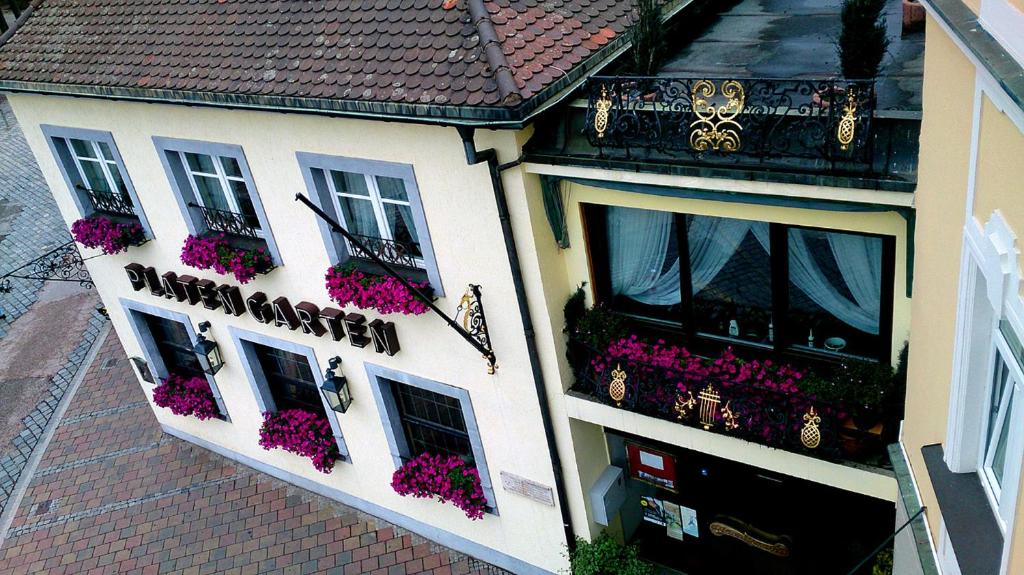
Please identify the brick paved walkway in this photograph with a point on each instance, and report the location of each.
(114, 494)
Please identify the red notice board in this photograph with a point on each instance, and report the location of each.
(652, 466)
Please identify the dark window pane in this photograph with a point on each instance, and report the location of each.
(643, 262)
(290, 378)
(175, 346)
(835, 291)
(731, 272)
(432, 422)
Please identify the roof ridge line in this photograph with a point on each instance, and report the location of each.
(507, 89)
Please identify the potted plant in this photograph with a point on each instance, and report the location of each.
(206, 252)
(347, 285)
(103, 233)
(862, 387)
(446, 477)
(186, 396)
(303, 433)
(606, 556)
(862, 40)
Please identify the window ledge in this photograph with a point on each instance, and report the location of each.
(967, 514)
(370, 268)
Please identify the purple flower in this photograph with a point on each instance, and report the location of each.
(446, 477)
(302, 433)
(214, 252)
(347, 285)
(186, 397)
(103, 233)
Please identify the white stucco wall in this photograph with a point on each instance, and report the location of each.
(462, 220)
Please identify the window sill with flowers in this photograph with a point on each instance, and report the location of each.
(111, 234)
(189, 396)
(303, 433)
(228, 257)
(848, 412)
(446, 477)
(347, 284)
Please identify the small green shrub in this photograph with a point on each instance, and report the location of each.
(648, 37)
(883, 563)
(604, 556)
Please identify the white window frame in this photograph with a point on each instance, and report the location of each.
(220, 174)
(106, 164)
(1002, 494)
(376, 200)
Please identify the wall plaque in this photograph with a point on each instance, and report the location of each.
(529, 489)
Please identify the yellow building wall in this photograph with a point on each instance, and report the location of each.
(466, 235)
(941, 196)
(999, 185)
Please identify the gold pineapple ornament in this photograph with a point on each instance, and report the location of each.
(617, 388)
(810, 434)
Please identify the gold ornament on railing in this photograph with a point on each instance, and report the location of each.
(709, 400)
(617, 388)
(603, 105)
(684, 405)
(848, 125)
(716, 126)
(729, 417)
(810, 434)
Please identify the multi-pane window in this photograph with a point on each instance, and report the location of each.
(766, 285)
(1002, 432)
(290, 379)
(174, 346)
(218, 184)
(432, 422)
(376, 207)
(97, 167)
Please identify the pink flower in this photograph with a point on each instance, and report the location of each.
(446, 477)
(347, 285)
(214, 252)
(302, 433)
(186, 397)
(103, 233)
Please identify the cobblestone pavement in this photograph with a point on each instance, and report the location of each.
(114, 494)
(30, 225)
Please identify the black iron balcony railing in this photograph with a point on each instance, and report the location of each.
(227, 221)
(107, 202)
(391, 251)
(824, 123)
(773, 414)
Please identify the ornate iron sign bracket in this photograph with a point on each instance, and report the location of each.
(61, 264)
(475, 330)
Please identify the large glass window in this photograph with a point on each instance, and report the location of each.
(174, 345)
(290, 379)
(98, 168)
(432, 422)
(748, 282)
(376, 207)
(1002, 432)
(218, 184)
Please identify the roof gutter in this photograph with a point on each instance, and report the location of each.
(512, 118)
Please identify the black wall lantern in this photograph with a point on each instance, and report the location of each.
(207, 351)
(335, 388)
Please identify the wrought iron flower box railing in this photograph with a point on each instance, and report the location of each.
(226, 221)
(738, 121)
(782, 417)
(110, 203)
(391, 251)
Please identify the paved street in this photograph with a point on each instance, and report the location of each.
(114, 494)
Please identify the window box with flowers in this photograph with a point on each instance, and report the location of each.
(348, 285)
(217, 253)
(186, 396)
(303, 433)
(446, 477)
(106, 234)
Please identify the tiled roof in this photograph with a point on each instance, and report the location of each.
(461, 53)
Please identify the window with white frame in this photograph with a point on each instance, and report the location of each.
(1003, 431)
(94, 173)
(379, 203)
(218, 185)
(376, 208)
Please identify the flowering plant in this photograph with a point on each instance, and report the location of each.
(103, 233)
(302, 433)
(347, 285)
(446, 477)
(186, 396)
(215, 252)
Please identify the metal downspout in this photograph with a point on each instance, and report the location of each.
(490, 156)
